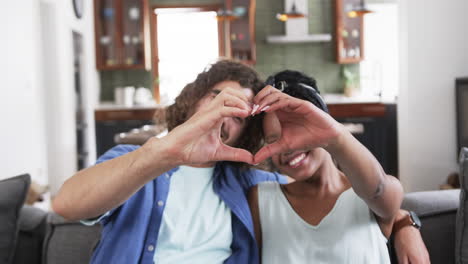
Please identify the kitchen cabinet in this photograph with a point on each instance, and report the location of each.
(112, 122)
(349, 33)
(121, 34)
(375, 126)
(241, 32)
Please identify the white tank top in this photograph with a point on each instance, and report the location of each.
(348, 234)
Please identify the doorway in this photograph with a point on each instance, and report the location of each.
(185, 40)
(81, 122)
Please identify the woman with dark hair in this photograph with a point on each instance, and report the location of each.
(327, 215)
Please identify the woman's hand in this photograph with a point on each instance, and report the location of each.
(303, 125)
(198, 140)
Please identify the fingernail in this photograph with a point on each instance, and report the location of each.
(255, 108)
(265, 108)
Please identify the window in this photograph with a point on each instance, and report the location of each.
(187, 41)
(379, 70)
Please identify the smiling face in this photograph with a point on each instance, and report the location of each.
(300, 165)
(232, 127)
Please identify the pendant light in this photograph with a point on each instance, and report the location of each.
(291, 14)
(359, 10)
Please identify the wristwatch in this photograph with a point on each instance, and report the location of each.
(411, 219)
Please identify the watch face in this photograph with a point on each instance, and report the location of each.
(415, 218)
(78, 8)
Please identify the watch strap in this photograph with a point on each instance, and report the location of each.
(405, 221)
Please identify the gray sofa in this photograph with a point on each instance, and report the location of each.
(44, 237)
(47, 238)
(438, 212)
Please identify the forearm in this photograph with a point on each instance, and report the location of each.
(381, 192)
(98, 189)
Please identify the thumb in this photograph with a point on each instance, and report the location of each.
(271, 127)
(267, 151)
(227, 153)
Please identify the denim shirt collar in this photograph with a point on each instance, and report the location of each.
(227, 184)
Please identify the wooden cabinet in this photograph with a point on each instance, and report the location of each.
(121, 33)
(111, 122)
(349, 33)
(375, 126)
(241, 33)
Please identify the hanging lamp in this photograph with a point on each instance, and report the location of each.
(291, 14)
(359, 10)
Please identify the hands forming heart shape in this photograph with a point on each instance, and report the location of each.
(292, 124)
(296, 124)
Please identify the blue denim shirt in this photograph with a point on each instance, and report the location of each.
(130, 231)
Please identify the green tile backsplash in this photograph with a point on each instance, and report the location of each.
(316, 59)
(122, 78)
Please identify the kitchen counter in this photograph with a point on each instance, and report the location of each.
(338, 98)
(330, 99)
(113, 106)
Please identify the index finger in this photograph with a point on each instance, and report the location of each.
(271, 127)
(242, 94)
(264, 92)
(267, 151)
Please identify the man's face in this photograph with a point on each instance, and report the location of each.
(232, 127)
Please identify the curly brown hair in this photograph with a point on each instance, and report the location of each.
(223, 70)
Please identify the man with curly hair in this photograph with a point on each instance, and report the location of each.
(180, 198)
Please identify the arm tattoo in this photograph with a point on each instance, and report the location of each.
(380, 190)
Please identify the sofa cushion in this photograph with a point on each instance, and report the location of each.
(69, 242)
(12, 195)
(437, 211)
(461, 240)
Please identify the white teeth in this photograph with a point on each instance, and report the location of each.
(297, 159)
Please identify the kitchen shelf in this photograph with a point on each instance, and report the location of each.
(299, 39)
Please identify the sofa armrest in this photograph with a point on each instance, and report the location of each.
(426, 204)
(437, 211)
(69, 242)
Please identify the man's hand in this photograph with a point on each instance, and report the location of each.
(198, 140)
(303, 125)
(409, 246)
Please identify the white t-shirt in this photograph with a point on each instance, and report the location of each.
(348, 234)
(196, 223)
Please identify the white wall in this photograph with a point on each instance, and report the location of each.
(21, 128)
(434, 51)
(39, 109)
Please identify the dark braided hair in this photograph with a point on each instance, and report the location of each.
(299, 85)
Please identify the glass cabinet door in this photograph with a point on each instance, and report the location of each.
(122, 31)
(132, 32)
(106, 42)
(242, 31)
(349, 33)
